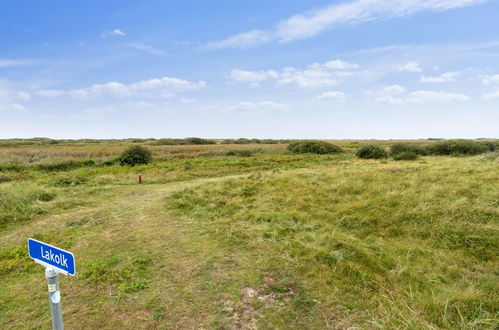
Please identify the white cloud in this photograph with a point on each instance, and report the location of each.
(252, 76)
(314, 76)
(242, 40)
(146, 48)
(411, 67)
(332, 95)
(97, 113)
(13, 107)
(9, 96)
(424, 97)
(387, 91)
(491, 96)
(490, 80)
(340, 65)
(139, 105)
(261, 106)
(49, 93)
(446, 77)
(315, 22)
(5, 62)
(113, 33)
(154, 88)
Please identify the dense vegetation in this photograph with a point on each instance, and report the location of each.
(406, 155)
(398, 148)
(251, 236)
(457, 147)
(314, 147)
(135, 155)
(371, 151)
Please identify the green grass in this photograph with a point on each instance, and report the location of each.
(247, 236)
(384, 245)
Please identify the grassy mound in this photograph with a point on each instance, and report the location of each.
(456, 147)
(314, 147)
(371, 151)
(398, 148)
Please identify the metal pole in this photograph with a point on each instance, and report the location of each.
(54, 298)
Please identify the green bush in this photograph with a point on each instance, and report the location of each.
(406, 155)
(456, 147)
(314, 147)
(240, 153)
(135, 155)
(491, 145)
(371, 151)
(4, 178)
(398, 148)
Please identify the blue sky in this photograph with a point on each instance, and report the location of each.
(265, 69)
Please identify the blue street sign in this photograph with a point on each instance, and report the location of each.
(48, 255)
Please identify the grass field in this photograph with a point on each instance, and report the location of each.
(251, 236)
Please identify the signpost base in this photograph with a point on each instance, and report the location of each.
(54, 298)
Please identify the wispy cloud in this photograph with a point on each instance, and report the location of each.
(490, 80)
(387, 91)
(14, 107)
(315, 75)
(113, 33)
(154, 88)
(6, 62)
(410, 67)
(332, 95)
(9, 96)
(445, 77)
(424, 97)
(261, 106)
(313, 23)
(146, 48)
(238, 75)
(97, 113)
(491, 96)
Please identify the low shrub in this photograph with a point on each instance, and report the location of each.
(491, 145)
(398, 148)
(4, 178)
(406, 155)
(240, 153)
(135, 155)
(371, 151)
(313, 147)
(456, 147)
(11, 167)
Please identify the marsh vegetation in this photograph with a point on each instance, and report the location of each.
(254, 235)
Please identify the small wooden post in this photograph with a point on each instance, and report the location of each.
(140, 178)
